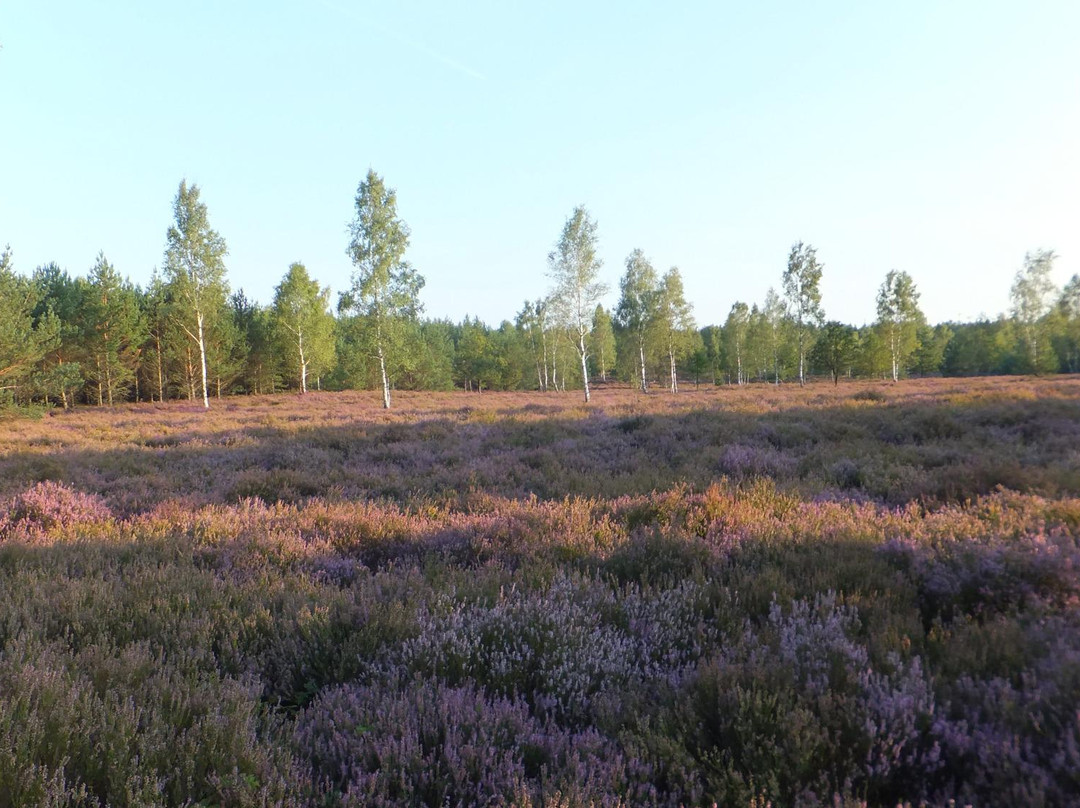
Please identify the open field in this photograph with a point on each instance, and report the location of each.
(863, 594)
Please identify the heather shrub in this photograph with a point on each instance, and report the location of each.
(984, 577)
(749, 595)
(869, 394)
(50, 508)
(424, 743)
(127, 727)
(1016, 739)
(741, 460)
(795, 713)
(279, 485)
(565, 647)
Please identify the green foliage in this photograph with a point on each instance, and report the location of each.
(636, 311)
(1032, 294)
(195, 279)
(62, 308)
(836, 349)
(385, 289)
(802, 281)
(24, 339)
(929, 355)
(119, 331)
(899, 318)
(574, 268)
(602, 344)
(261, 371)
(303, 326)
(673, 322)
(735, 336)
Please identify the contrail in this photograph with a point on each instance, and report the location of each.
(409, 43)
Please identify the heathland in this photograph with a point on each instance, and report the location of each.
(863, 594)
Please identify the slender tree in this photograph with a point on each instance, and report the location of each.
(734, 337)
(899, 318)
(63, 302)
(638, 291)
(195, 273)
(602, 342)
(575, 268)
(24, 338)
(533, 321)
(385, 288)
(1069, 306)
(776, 328)
(674, 322)
(802, 280)
(261, 372)
(303, 323)
(155, 303)
(1032, 295)
(119, 330)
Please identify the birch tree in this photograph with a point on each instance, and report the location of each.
(575, 268)
(899, 318)
(775, 328)
(802, 280)
(638, 290)
(195, 273)
(602, 344)
(734, 336)
(1032, 294)
(533, 321)
(673, 321)
(385, 288)
(303, 323)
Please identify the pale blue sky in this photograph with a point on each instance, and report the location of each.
(940, 138)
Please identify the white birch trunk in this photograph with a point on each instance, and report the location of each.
(202, 361)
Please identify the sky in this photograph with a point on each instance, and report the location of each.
(937, 137)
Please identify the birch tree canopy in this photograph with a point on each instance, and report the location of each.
(385, 288)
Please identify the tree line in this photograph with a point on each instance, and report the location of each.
(100, 339)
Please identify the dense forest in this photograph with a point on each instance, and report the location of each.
(100, 339)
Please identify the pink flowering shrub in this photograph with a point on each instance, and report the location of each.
(50, 508)
(741, 596)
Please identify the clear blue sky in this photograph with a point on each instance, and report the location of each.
(941, 138)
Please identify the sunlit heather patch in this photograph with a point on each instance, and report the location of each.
(52, 509)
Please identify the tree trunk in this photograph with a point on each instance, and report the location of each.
(641, 356)
(547, 377)
(674, 375)
(582, 351)
(108, 380)
(160, 369)
(303, 363)
(202, 361)
(385, 380)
